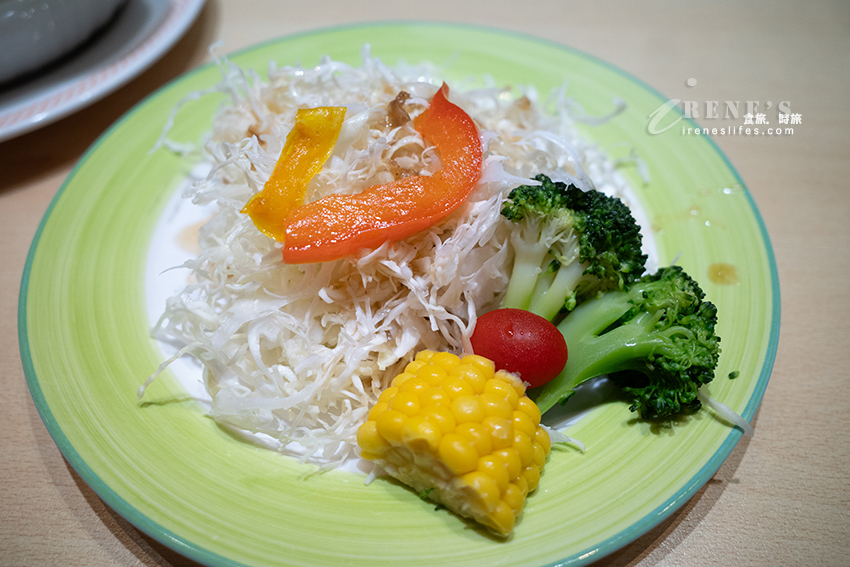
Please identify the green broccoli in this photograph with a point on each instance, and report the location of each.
(569, 245)
(656, 341)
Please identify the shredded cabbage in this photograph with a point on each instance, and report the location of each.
(299, 353)
(726, 413)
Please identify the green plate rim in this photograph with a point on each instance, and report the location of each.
(198, 553)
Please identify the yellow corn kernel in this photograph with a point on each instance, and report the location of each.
(539, 457)
(389, 425)
(370, 440)
(500, 431)
(503, 390)
(542, 437)
(369, 456)
(522, 484)
(420, 434)
(377, 410)
(467, 408)
(479, 436)
(513, 463)
(414, 384)
(513, 496)
(424, 355)
(445, 360)
(412, 367)
(496, 406)
(532, 476)
(441, 416)
(472, 375)
(456, 387)
(461, 427)
(522, 422)
(432, 374)
(513, 380)
(484, 488)
(484, 364)
(434, 396)
(520, 388)
(387, 394)
(504, 516)
(494, 466)
(529, 408)
(401, 379)
(522, 445)
(406, 402)
(458, 453)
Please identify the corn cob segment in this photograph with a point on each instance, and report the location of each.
(460, 433)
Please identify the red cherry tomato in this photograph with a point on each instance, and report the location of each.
(521, 343)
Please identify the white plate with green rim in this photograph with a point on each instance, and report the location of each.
(183, 480)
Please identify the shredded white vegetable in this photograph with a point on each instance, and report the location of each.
(558, 437)
(300, 352)
(726, 413)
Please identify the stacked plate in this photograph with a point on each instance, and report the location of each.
(58, 56)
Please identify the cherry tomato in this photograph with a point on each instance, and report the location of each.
(521, 343)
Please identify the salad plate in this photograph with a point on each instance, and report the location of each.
(176, 475)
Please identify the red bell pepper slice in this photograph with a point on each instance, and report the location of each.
(337, 226)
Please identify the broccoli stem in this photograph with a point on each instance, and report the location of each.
(526, 271)
(593, 353)
(550, 302)
(656, 341)
(565, 238)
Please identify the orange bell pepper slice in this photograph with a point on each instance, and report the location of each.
(339, 225)
(308, 146)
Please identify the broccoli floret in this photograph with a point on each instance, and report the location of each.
(656, 341)
(569, 245)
